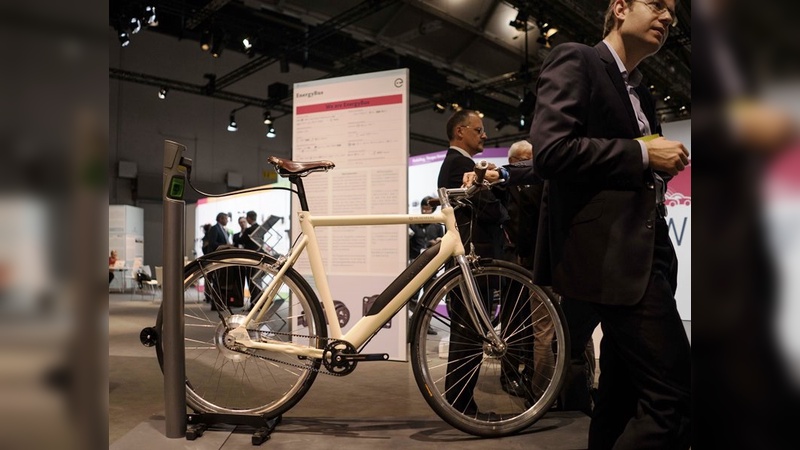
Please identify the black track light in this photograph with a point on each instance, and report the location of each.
(205, 40)
(124, 38)
(267, 118)
(271, 132)
(520, 22)
(162, 93)
(439, 107)
(150, 16)
(232, 126)
(218, 44)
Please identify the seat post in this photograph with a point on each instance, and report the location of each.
(301, 192)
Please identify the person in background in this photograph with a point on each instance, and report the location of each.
(423, 235)
(420, 237)
(518, 375)
(112, 259)
(237, 238)
(479, 226)
(217, 235)
(206, 227)
(251, 217)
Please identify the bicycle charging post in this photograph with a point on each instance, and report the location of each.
(172, 337)
(176, 178)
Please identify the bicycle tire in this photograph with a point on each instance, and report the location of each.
(220, 380)
(539, 369)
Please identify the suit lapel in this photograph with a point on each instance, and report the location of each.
(619, 84)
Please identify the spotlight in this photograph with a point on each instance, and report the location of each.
(124, 39)
(205, 40)
(150, 16)
(217, 44)
(480, 114)
(522, 122)
(545, 33)
(232, 126)
(521, 21)
(271, 132)
(439, 107)
(162, 93)
(267, 118)
(246, 44)
(136, 25)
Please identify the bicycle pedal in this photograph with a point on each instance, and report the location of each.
(367, 357)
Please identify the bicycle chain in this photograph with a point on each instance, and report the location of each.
(300, 366)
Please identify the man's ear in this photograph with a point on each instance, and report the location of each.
(620, 10)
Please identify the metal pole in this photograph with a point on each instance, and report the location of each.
(172, 334)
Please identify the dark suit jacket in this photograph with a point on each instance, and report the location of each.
(216, 236)
(596, 234)
(485, 230)
(246, 241)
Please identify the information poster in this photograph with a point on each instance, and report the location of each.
(360, 123)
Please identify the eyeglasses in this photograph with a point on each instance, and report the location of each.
(658, 7)
(478, 129)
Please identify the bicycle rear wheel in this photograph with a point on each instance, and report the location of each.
(478, 388)
(222, 380)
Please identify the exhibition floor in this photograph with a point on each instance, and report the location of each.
(379, 405)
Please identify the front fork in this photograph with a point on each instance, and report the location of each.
(477, 312)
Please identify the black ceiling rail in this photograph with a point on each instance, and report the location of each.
(197, 89)
(315, 35)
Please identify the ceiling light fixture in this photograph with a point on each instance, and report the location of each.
(150, 16)
(271, 132)
(217, 44)
(205, 40)
(520, 22)
(439, 107)
(124, 39)
(232, 126)
(136, 25)
(162, 93)
(267, 118)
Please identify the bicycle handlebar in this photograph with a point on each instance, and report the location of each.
(446, 194)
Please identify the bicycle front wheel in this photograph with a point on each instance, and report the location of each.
(484, 389)
(223, 380)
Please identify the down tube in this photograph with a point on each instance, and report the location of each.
(394, 297)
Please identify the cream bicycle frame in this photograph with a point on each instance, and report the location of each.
(365, 327)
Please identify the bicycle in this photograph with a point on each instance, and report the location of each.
(263, 361)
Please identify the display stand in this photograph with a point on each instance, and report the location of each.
(199, 423)
(176, 169)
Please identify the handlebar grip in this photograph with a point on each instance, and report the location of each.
(480, 171)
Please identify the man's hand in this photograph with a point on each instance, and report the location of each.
(469, 177)
(667, 156)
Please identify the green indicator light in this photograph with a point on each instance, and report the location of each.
(176, 185)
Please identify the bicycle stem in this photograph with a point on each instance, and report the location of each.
(476, 313)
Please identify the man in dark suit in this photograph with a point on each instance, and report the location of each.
(247, 242)
(217, 282)
(603, 237)
(218, 234)
(478, 225)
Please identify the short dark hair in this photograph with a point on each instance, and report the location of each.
(252, 215)
(221, 215)
(458, 118)
(426, 201)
